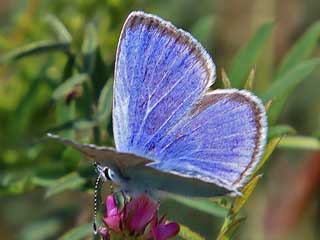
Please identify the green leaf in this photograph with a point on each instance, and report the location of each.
(89, 48)
(283, 86)
(203, 205)
(292, 78)
(187, 234)
(300, 142)
(44, 229)
(301, 49)
(68, 182)
(246, 193)
(249, 82)
(78, 233)
(247, 56)
(61, 31)
(202, 29)
(69, 85)
(14, 183)
(225, 79)
(267, 153)
(280, 130)
(43, 181)
(229, 231)
(84, 124)
(105, 102)
(34, 48)
(73, 124)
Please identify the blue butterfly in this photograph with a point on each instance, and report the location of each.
(171, 133)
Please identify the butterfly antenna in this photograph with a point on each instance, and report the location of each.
(95, 204)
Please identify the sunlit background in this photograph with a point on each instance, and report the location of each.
(46, 190)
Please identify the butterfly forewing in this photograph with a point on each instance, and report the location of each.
(160, 73)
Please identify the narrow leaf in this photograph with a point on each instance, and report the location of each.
(39, 230)
(247, 56)
(230, 230)
(249, 82)
(187, 234)
(300, 142)
(69, 85)
(61, 31)
(287, 82)
(105, 102)
(267, 153)
(68, 182)
(34, 48)
(267, 105)
(301, 49)
(78, 233)
(225, 80)
(280, 130)
(283, 86)
(246, 192)
(89, 48)
(202, 29)
(203, 205)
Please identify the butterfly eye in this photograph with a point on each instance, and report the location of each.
(108, 174)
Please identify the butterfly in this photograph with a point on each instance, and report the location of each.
(171, 133)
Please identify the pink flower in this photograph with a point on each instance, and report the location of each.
(113, 216)
(139, 213)
(104, 233)
(138, 218)
(162, 230)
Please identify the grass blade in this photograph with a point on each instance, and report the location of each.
(105, 102)
(301, 49)
(34, 48)
(271, 146)
(89, 48)
(68, 182)
(61, 31)
(246, 193)
(247, 56)
(300, 142)
(78, 233)
(203, 205)
(69, 84)
(283, 86)
(280, 130)
(187, 234)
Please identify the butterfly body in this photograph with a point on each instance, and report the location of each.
(171, 133)
(144, 179)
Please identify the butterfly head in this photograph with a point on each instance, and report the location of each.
(104, 172)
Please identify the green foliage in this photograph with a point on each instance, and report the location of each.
(78, 233)
(301, 50)
(65, 85)
(247, 56)
(204, 205)
(68, 182)
(187, 234)
(285, 84)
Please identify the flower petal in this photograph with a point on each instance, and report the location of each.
(165, 231)
(111, 206)
(104, 233)
(113, 216)
(139, 212)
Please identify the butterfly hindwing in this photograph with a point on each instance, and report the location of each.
(220, 141)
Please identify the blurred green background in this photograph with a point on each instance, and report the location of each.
(56, 75)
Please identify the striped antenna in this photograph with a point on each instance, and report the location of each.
(95, 203)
